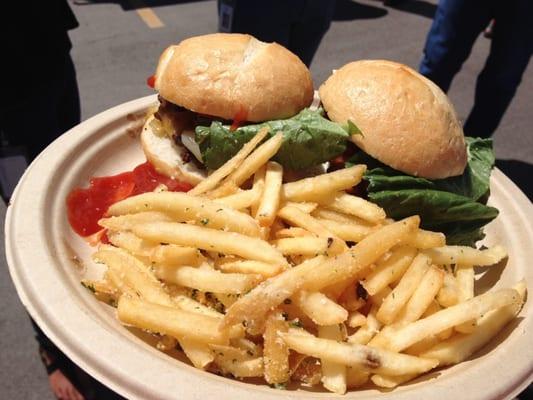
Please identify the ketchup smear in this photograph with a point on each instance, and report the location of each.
(150, 81)
(239, 118)
(86, 206)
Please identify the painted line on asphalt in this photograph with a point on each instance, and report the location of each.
(148, 15)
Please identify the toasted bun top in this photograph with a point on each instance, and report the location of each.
(234, 75)
(407, 122)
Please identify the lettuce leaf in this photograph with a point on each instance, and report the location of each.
(455, 206)
(309, 139)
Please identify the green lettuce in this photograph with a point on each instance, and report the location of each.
(309, 139)
(455, 206)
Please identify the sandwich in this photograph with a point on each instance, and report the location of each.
(216, 91)
(409, 136)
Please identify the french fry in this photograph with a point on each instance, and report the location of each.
(124, 267)
(350, 299)
(333, 374)
(465, 284)
(133, 273)
(207, 280)
(231, 165)
(357, 206)
(310, 246)
(377, 299)
(306, 207)
(369, 358)
(250, 165)
(394, 302)
(258, 186)
(170, 321)
(185, 303)
(252, 349)
(348, 232)
(391, 382)
(241, 199)
(330, 215)
(423, 296)
(356, 319)
(197, 352)
(269, 202)
(422, 345)
(401, 338)
(251, 267)
(466, 256)
(275, 351)
(366, 332)
(127, 221)
(315, 274)
(355, 261)
(321, 309)
(183, 207)
(211, 239)
(460, 347)
(171, 254)
(389, 270)
(292, 232)
(301, 219)
(238, 362)
(251, 309)
(449, 292)
(432, 309)
(356, 377)
(309, 189)
(129, 241)
(427, 239)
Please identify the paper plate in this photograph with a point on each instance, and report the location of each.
(47, 261)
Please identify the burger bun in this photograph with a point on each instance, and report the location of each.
(407, 122)
(167, 156)
(228, 75)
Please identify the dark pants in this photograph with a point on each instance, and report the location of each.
(299, 25)
(42, 113)
(53, 358)
(456, 26)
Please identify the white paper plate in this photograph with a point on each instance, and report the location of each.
(47, 261)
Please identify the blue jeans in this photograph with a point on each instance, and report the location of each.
(456, 26)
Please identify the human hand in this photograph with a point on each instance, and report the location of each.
(61, 386)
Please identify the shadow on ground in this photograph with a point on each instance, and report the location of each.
(128, 5)
(347, 10)
(520, 173)
(418, 7)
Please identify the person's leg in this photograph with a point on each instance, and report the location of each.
(511, 49)
(456, 26)
(268, 21)
(39, 118)
(311, 24)
(69, 114)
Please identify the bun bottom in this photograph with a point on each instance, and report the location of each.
(166, 157)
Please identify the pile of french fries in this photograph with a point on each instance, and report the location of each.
(295, 281)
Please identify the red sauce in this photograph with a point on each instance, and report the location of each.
(150, 81)
(85, 206)
(239, 118)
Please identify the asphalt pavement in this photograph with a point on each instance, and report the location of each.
(116, 48)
